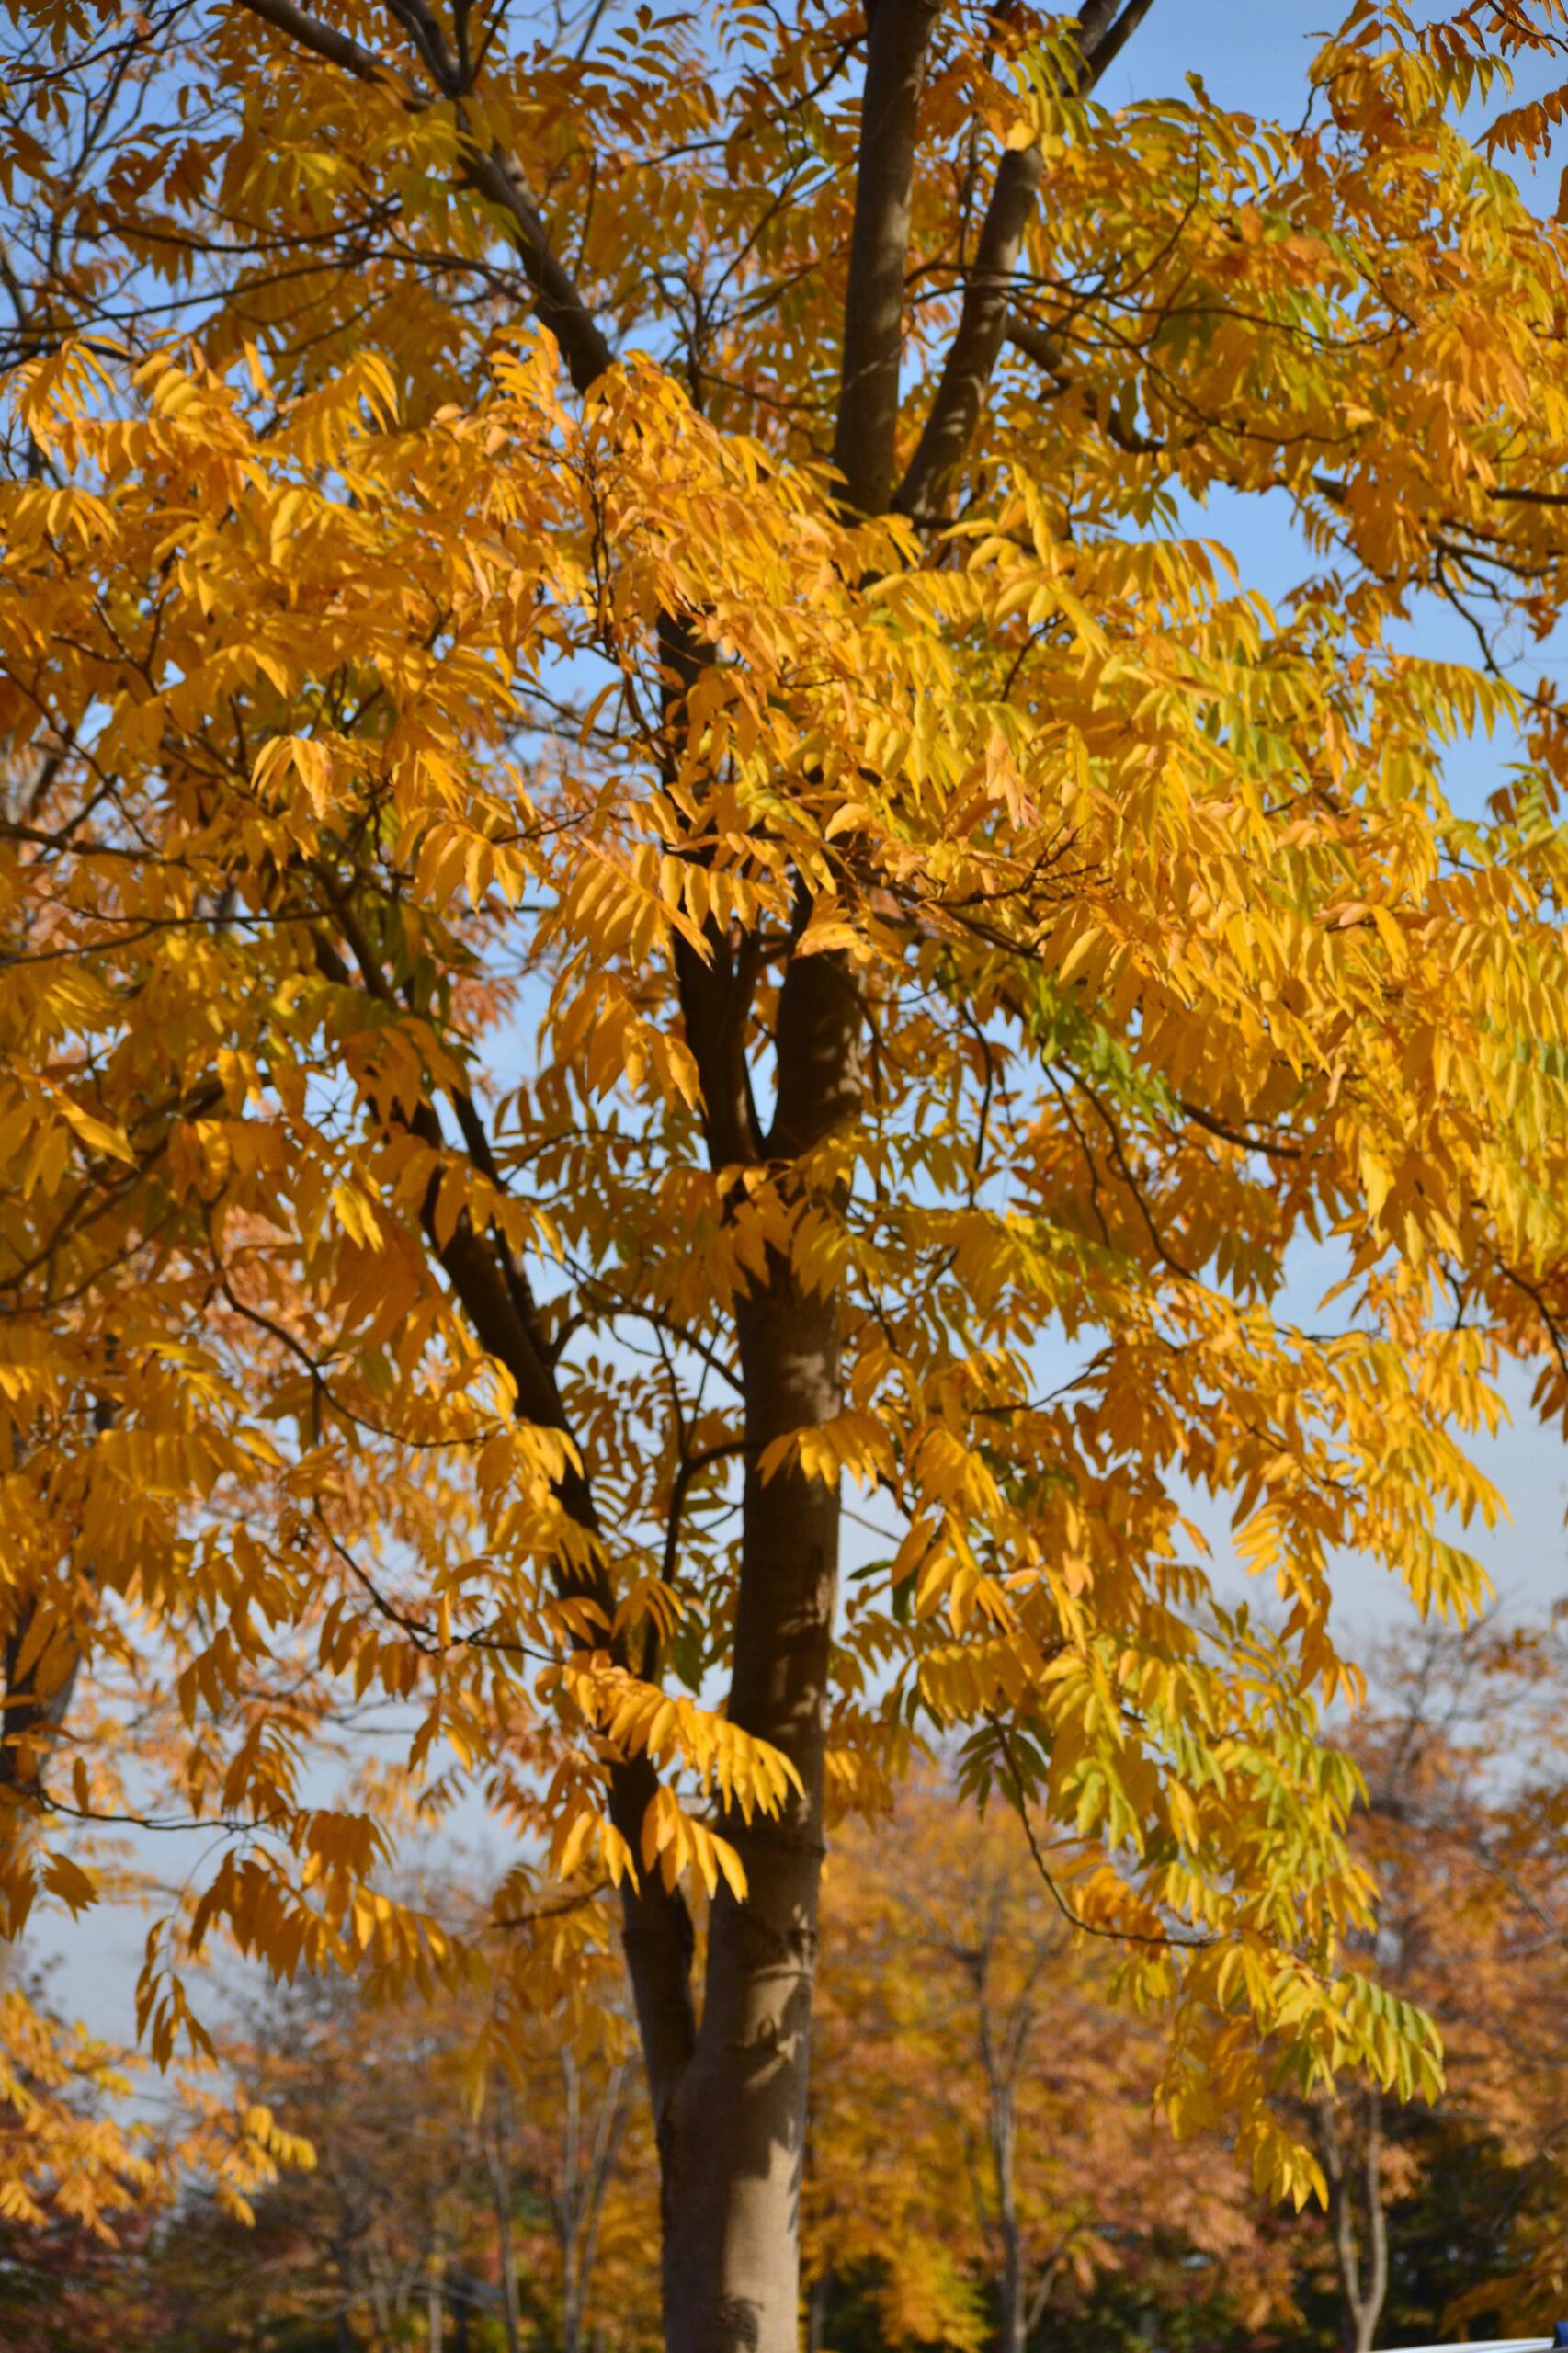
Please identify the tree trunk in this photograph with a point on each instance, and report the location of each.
(1003, 2126)
(1015, 2331)
(729, 2095)
(35, 1691)
(501, 2192)
(816, 2309)
(1375, 2224)
(511, 2306)
(580, 2209)
(434, 2302)
(1360, 2239)
(732, 2135)
(568, 2208)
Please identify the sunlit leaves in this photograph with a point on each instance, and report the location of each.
(356, 839)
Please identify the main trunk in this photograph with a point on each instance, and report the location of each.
(1004, 2148)
(1015, 2325)
(732, 2135)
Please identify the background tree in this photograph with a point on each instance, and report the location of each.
(620, 895)
(87, 2178)
(448, 2203)
(970, 2040)
(419, 2212)
(1464, 1758)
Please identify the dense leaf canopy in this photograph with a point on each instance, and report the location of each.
(613, 918)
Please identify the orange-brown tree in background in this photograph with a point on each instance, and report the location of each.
(524, 2213)
(1463, 1824)
(635, 854)
(982, 2145)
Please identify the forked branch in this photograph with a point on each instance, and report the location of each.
(1103, 30)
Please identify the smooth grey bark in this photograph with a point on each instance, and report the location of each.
(1357, 2218)
(1013, 2329)
(588, 2160)
(1003, 2041)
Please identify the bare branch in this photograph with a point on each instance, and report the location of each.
(973, 354)
(1105, 28)
(326, 42)
(559, 306)
(658, 1933)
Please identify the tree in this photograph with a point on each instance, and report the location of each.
(82, 2186)
(457, 2171)
(635, 857)
(1462, 1824)
(980, 2148)
(497, 2211)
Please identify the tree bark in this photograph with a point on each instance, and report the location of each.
(1360, 2237)
(864, 443)
(1015, 2326)
(587, 2190)
(731, 2144)
(1103, 29)
(35, 1698)
(435, 2304)
(33, 1706)
(501, 2197)
(511, 2308)
(1000, 2068)
(732, 2133)
(816, 2309)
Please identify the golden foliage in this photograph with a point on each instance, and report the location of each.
(351, 851)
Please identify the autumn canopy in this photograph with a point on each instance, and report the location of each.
(654, 872)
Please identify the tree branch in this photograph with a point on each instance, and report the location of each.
(1103, 30)
(658, 1933)
(490, 173)
(864, 445)
(326, 40)
(716, 989)
(557, 301)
